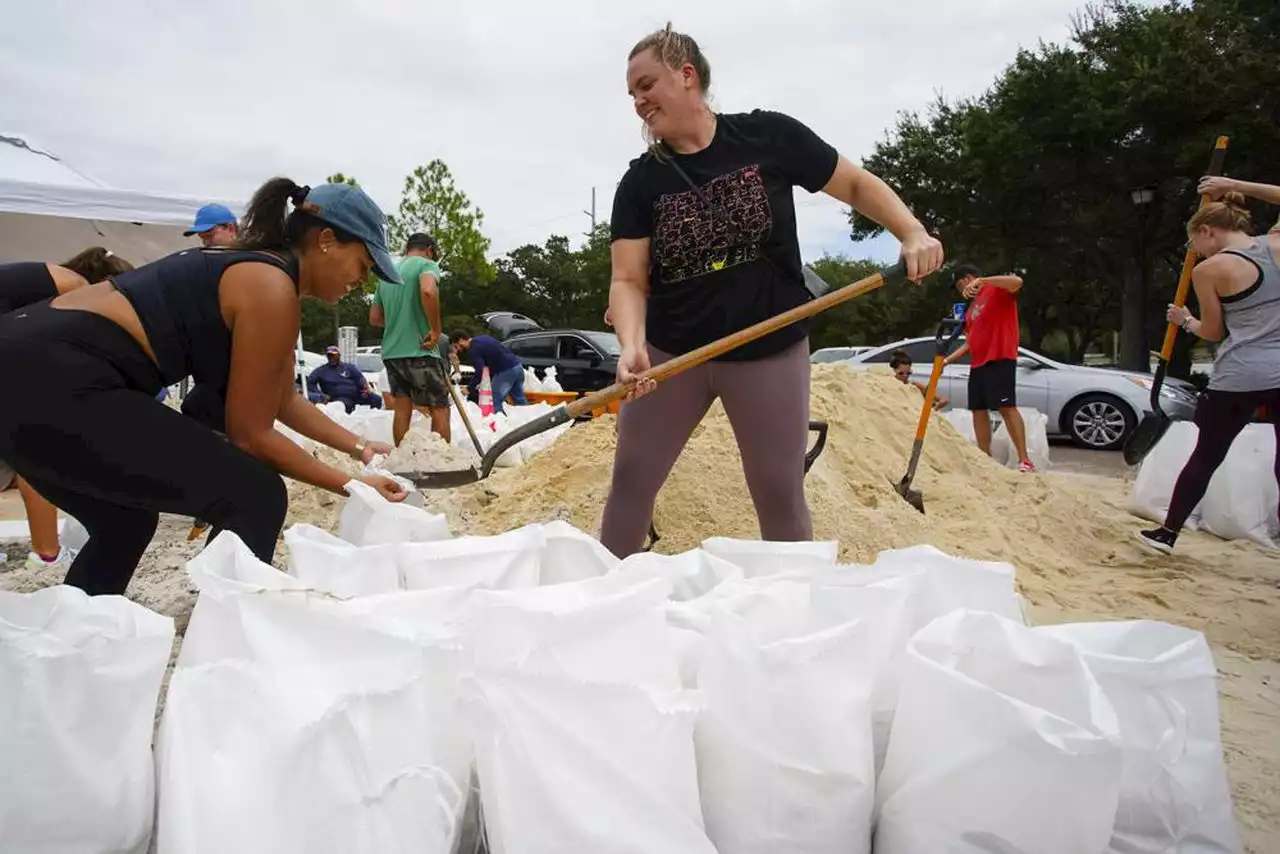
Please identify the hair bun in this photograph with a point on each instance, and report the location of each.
(1234, 199)
(299, 195)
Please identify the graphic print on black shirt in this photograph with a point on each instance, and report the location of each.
(725, 256)
(691, 239)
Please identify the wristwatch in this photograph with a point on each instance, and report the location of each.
(358, 453)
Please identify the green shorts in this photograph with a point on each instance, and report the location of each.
(419, 378)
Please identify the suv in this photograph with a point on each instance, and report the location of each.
(584, 361)
(504, 324)
(1096, 408)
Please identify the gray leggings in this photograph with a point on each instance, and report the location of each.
(767, 401)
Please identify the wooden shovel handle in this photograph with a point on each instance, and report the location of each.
(1189, 261)
(720, 346)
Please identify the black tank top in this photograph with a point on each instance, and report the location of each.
(25, 283)
(176, 299)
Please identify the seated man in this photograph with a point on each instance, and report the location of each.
(337, 380)
(901, 364)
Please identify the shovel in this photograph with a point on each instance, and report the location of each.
(584, 405)
(944, 342)
(1153, 425)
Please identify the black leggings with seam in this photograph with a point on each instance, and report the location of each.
(90, 436)
(1221, 416)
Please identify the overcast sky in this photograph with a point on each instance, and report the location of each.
(525, 101)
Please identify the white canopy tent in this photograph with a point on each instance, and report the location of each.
(49, 211)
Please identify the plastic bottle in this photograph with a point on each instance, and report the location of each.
(486, 394)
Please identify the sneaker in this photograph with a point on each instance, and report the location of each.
(37, 561)
(1158, 540)
(1027, 467)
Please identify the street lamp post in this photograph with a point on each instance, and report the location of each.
(1142, 198)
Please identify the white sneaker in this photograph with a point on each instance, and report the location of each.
(36, 562)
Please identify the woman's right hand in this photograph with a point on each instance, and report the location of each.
(1177, 314)
(633, 362)
(1215, 186)
(387, 488)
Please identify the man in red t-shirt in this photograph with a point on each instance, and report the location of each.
(991, 336)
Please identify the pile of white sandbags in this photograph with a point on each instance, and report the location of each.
(1242, 499)
(79, 681)
(1002, 450)
(490, 428)
(402, 692)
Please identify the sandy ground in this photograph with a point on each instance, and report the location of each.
(1068, 533)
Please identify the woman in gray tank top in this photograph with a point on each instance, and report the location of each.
(1238, 286)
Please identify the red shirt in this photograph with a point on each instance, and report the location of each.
(991, 326)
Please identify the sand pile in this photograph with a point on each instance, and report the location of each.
(424, 451)
(1070, 537)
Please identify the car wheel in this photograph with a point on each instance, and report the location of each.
(1100, 422)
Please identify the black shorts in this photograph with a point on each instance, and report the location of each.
(993, 385)
(419, 378)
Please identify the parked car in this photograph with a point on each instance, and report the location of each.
(504, 324)
(1094, 407)
(584, 361)
(836, 354)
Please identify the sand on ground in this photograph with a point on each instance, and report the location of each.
(1070, 538)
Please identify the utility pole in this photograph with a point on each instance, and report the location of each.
(592, 213)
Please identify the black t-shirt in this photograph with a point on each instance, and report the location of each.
(715, 270)
(25, 283)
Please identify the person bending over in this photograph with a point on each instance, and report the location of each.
(94, 440)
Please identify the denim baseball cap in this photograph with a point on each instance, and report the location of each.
(350, 209)
(210, 216)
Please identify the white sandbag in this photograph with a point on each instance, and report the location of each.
(571, 555)
(489, 429)
(784, 744)
(368, 519)
(1002, 741)
(325, 562)
(609, 629)
(1162, 682)
(530, 447)
(759, 557)
(962, 420)
(945, 584)
(80, 676)
(550, 383)
(692, 574)
(1153, 487)
(1242, 500)
(531, 381)
(1037, 427)
(508, 561)
(572, 766)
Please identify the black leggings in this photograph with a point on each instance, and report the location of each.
(1220, 415)
(90, 436)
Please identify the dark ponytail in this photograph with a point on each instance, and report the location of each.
(97, 264)
(268, 224)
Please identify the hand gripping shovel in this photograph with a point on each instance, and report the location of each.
(944, 342)
(668, 369)
(1153, 425)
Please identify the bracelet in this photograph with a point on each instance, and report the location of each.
(358, 453)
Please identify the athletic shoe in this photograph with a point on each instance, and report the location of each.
(35, 561)
(1027, 467)
(1158, 540)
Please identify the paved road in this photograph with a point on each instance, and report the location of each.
(1066, 457)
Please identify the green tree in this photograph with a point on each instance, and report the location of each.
(1036, 174)
(884, 315)
(432, 203)
(556, 284)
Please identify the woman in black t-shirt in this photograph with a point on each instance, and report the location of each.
(704, 244)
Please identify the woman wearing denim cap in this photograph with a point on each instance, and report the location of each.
(95, 441)
(703, 245)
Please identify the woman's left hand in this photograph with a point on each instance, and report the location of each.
(375, 449)
(923, 254)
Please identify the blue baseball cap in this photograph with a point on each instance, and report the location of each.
(350, 209)
(210, 216)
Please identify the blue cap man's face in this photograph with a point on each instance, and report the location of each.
(220, 235)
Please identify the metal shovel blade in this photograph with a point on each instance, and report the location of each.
(441, 479)
(912, 496)
(1146, 435)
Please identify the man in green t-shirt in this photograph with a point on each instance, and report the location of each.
(410, 312)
